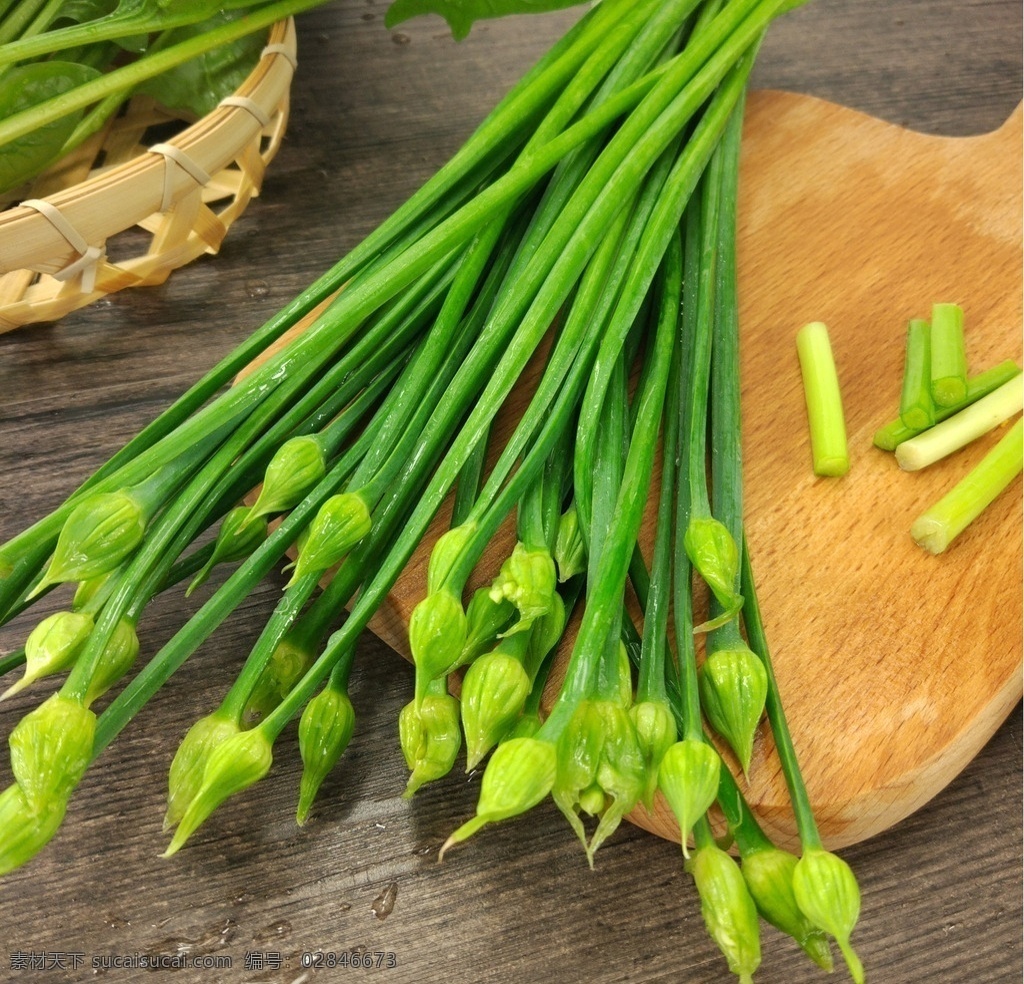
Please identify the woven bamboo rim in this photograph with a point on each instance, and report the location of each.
(165, 205)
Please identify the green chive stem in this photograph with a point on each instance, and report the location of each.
(917, 408)
(959, 430)
(948, 355)
(939, 525)
(829, 452)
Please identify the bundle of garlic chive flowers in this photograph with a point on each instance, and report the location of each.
(588, 226)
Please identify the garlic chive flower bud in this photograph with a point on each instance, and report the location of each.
(527, 726)
(656, 733)
(234, 765)
(546, 633)
(769, 876)
(827, 892)
(570, 551)
(518, 776)
(295, 468)
(101, 531)
(733, 688)
(494, 691)
(287, 663)
(90, 593)
(688, 779)
(486, 619)
(728, 910)
(600, 770)
(621, 772)
(340, 523)
(437, 637)
(578, 754)
(115, 661)
(27, 830)
(52, 646)
(428, 731)
(713, 552)
(445, 554)
(239, 535)
(325, 729)
(527, 579)
(186, 772)
(51, 748)
(625, 678)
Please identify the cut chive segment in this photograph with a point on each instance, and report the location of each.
(949, 358)
(894, 433)
(917, 408)
(824, 405)
(959, 430)
(938, 526)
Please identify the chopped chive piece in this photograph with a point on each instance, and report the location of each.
(938, 526)
(949, 359)
(959, 430)
(917, 408)
(824, 404)
(894, 433)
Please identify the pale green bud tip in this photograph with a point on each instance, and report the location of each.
(428, 731)
(728, 910)
(52, 646)
(528, 580)
(26, 829)
(546, 632)
(287, 664)
(51, 747)
(91, 591)
(655, 728)
(520, 773)
(688, 779)
(570, 552)
(769, 877)
(341, 522)
(234, 765)
(325, 729)
(494, 691)
(115, 661)
(713, 552)
(827, 892)
(102, 530)
(445, 554)
(437, 636)
(486, 619)
(733, 688)
(241, 532)
(295, 468)
(186, 772)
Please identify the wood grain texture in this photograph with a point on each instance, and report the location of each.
(378, 111)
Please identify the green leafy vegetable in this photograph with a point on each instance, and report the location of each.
(21, 89)
(461, 14)
(199, 84)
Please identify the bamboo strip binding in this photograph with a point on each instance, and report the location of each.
(165, 205)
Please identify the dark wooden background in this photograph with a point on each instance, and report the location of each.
(374, 113)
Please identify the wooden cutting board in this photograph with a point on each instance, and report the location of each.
(895, 666)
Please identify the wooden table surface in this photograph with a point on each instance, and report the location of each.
(374, 112)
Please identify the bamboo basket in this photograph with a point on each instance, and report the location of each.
(117, 213)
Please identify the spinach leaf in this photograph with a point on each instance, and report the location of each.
(23, 87)
(461, 14)
(198, 85)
